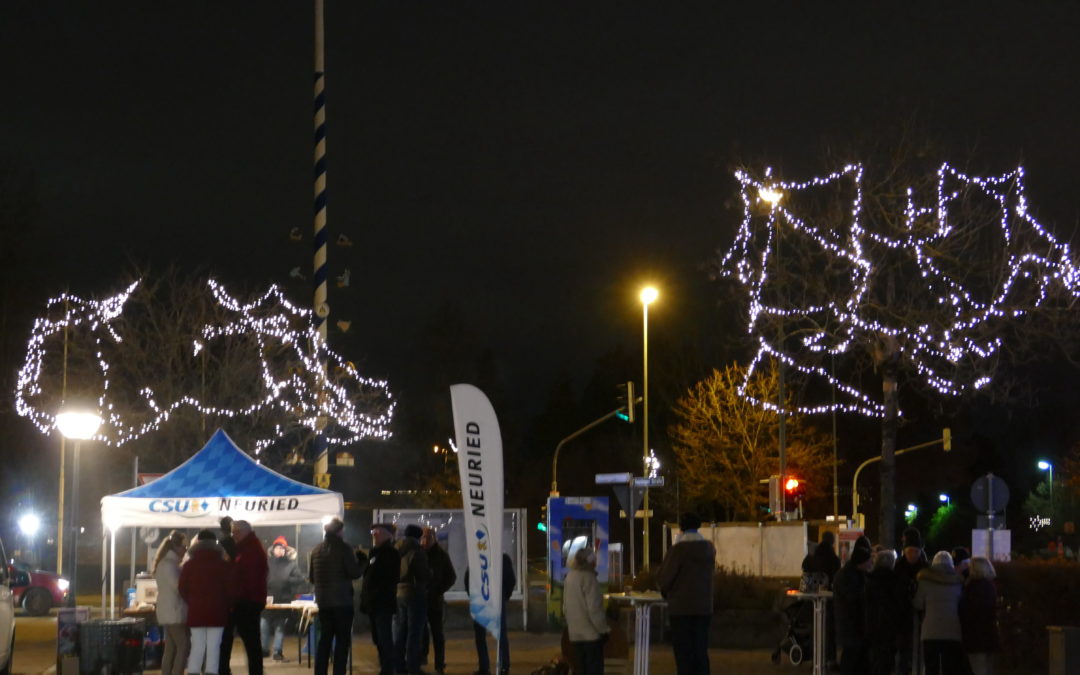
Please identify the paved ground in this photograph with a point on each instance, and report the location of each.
(35, 654)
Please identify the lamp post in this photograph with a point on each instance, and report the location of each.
(648, 295)
(78, 425)
(944, 499)
(772, 197)
(28, 526)
(1047, 466)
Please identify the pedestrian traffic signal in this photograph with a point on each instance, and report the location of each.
(624, 398)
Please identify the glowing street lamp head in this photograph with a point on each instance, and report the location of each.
(29, 524)
(78, 424)
(943, 497)
(648, 295)
(1043, 464)
(770, 195)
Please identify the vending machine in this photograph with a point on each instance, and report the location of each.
(574, 523)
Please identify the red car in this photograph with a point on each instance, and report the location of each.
(37, 591)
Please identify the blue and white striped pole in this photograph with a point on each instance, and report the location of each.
(322, 310)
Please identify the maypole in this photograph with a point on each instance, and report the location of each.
(322, 310)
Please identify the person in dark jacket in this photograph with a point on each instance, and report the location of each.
(912, 560)
(412, 590)
(848, 601)
(284, 580)
(686, 582)
(204, 586)
(822, 564)
(249, 572)
(978, 616)
(378, 594)
(884, 605)
(332, 567)
(225, 541)
(509, 581)
(443, 577)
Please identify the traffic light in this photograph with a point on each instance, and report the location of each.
(624, 397)
(946, 439)
(791, 485)
(542, 523)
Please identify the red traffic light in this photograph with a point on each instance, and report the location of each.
(792, 484)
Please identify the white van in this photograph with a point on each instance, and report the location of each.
(7, 615)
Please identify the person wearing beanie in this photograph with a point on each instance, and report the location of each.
(849, 606)
(884, 605)
(226, 541)
(443, 576)
(284, 580)
(911, 561)
(686, 582)
(938, 598)
(821, 565)
(332, 566)
(378, 593)
(961, 558)
(412, 601)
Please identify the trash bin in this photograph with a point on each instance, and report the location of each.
(111, 645)
(1064, 649)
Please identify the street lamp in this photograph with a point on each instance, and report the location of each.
(648, 296)
(1047, 466)
(29, 524)
(944, 499)
(78, 424)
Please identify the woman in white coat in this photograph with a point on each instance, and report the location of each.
(171, 609)
(583, 609)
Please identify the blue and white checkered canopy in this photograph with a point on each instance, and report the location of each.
(220, 480)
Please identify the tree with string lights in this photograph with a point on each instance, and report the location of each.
(170, 358)
(934, 281)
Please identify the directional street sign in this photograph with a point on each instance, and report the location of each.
(655, 481)
(613, 478)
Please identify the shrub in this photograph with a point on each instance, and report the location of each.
(1035, 594)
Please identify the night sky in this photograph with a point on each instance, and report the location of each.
(519, 167)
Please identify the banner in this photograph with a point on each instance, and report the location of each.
(480, 463)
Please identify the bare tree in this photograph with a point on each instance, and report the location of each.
(174, 357)
(933, 279)
(725, 445)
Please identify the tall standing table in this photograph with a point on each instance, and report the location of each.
(818, 598)
(642, 603)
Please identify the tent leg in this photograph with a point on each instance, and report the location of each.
(112, 574)
(104, 567)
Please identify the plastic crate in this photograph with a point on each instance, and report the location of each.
(111, 646)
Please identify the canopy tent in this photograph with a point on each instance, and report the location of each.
(220, 480)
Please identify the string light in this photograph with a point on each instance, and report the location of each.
(305, 393)
(955, 355)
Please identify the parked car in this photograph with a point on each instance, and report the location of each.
(7, 616)
(37, 591)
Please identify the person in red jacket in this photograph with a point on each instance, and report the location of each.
(204, 586)
(248, 592)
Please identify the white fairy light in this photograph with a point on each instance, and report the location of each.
(954, 357)
(305, 393)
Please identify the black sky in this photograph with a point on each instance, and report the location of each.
(530, 163)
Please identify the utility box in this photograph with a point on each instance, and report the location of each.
(111, 645)
(1064, 649)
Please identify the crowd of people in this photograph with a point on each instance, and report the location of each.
(889, 609)
(220, 585)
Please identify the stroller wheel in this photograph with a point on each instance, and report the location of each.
(795, 654)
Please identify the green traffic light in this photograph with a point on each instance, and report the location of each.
(541, 526)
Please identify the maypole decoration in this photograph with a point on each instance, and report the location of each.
(322, 309)
(295, 387)
(954, 354)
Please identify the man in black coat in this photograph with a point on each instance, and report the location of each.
(378, 596)
(333, 566)
(509, 581)
(912, 560)
(443, 577)
(226, 541)
(848, 602)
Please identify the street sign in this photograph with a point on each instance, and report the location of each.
(629, 497)
(654, 481)
(613, 478)
(989, 493)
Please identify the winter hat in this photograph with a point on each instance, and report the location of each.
(205, 535)
(911, 537)
(414, 531)
(333, 526)
(960, 554)
(943, 560)
(859, 555)
(864, 542)
(282, 542)
(384, 526)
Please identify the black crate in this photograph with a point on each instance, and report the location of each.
(111, 646)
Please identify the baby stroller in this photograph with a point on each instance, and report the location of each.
(799, 641)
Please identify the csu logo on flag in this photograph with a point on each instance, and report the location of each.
(188, 508)
(485, 562)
